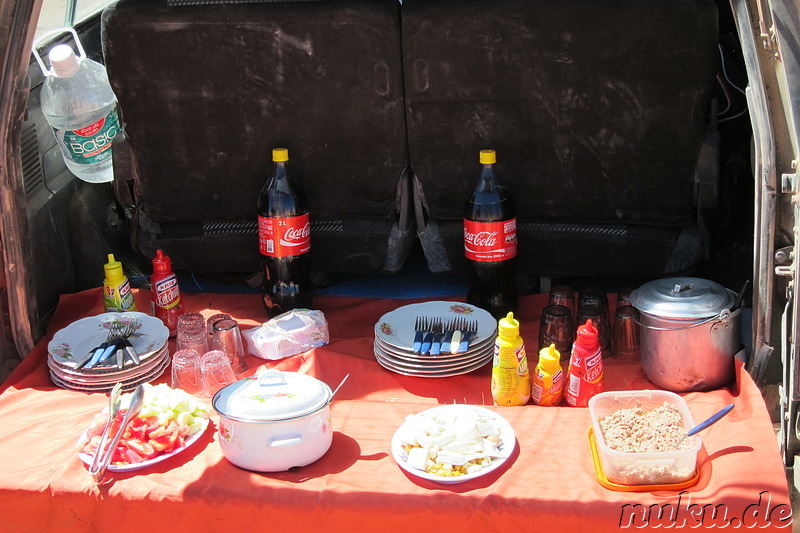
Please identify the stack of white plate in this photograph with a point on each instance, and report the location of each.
(394, 340)
(73, 343)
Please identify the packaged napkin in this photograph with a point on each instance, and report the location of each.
(290, 333)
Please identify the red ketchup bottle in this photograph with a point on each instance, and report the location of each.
(284, 236)
(585, 374)
(490, 243)
(165, 293)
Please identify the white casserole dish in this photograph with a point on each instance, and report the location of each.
(274, 422)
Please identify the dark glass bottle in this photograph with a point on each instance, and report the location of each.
(490, 243)
(284, 235)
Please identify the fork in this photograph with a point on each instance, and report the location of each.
(452, 327)
(96, 354)
(428, 341)
(471, 328)
(438, 333)
(420, 326)
(458, 331)
(119, 346)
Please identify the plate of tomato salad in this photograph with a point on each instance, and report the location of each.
(164, 428)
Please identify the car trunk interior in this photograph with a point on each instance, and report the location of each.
(622, 128)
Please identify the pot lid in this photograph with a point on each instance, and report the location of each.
(272, 396)
(682, 297)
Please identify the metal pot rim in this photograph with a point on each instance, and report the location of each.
(683, 298)
(683, 323)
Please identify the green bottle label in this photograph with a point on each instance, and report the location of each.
(119, 298)
(91, 144)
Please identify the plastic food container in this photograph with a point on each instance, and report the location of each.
(654, 468)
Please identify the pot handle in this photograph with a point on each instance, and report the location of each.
(720, 318)
(270, 378)
(285, 440)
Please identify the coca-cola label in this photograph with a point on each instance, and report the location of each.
(284, 237)
(490, 241)
(166, 293)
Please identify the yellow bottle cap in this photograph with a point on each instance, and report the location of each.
(508, 326)
(549, 357)
(280, 155)
(488, 157)
(113, 269)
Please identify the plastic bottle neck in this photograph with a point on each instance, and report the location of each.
(162, 266)
(280, 177)
(587, 337)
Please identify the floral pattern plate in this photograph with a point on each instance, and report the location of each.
(432, 364)
(74, 342)
(396, 328)
(149, 370)
(441, 359)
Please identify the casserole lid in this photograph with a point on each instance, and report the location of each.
(272, 396)
(682, 297)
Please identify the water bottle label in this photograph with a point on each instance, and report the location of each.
(91, 144)
(490, 241)
(284, 237)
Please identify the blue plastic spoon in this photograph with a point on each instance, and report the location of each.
(706, 423)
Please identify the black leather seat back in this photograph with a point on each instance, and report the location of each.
(597, 111)
(207, 91)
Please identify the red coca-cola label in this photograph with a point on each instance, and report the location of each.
(490, 241)
(284, 237)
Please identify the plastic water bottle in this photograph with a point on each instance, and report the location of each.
(80, 106)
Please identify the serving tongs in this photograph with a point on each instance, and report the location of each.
(103, 454)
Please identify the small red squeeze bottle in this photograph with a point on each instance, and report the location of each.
(165, 293)
(585, 374)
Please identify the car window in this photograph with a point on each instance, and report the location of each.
(58, 13)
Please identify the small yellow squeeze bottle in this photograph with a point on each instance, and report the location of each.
(117, 293)
(548, 379)
(511, 383)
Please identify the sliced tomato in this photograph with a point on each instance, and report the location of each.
(133, 457)
(156, 433)
(143, 448)
(138, 428)
(166, 442)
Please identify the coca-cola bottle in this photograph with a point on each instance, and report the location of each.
(490, 242)
(284, 235)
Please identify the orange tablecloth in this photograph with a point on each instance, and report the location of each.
(548, 485)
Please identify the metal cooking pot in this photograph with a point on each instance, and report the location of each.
(690, 333)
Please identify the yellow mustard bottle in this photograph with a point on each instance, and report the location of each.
(547, 386)
(117, 293)
(511, 383)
